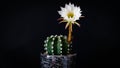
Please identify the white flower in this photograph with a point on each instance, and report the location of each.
(70, 13)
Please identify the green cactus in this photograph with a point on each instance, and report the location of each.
(57, 45)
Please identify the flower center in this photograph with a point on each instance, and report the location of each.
(70, 15)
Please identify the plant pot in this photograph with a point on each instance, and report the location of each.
(58, 61)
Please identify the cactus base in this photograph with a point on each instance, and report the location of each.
(58, 61)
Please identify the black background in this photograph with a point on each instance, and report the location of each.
(26, 24)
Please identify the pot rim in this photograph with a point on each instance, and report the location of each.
(68, 55)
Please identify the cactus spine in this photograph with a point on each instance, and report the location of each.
(57, 45)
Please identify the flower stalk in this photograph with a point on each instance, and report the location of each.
(69, 33)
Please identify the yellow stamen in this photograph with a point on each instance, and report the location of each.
(70, 15)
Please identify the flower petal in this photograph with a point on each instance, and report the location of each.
(63, 21)
(77, 24)
(67, 25)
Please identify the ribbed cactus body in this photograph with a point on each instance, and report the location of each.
(57, 45)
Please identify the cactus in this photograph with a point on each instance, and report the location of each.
(57, 45)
